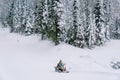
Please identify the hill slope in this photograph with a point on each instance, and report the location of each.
(28, 58)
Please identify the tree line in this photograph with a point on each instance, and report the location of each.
(81, 23)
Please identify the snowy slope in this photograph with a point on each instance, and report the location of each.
(28, 58)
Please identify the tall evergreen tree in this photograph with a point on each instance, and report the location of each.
(10, 16)
(29, 29)
(75, 33)
(88, 28)
(53, 26)
(40, 23)
(106, 7)
(72, 32)
(99, 23)
(116, 30)
(23, 19)
(22, 15)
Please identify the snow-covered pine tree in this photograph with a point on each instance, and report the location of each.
(116, 30)
(99, 24)
(53, 26)
(62, 21)
(4, 11)
(24, 18)
(30, 18)
(40, 23)
(114, 16)
(72, 32)
(17, 16)
(10, 16)
(75, 35)
(106, 7)
(67, 18)
(79, 42)
(88, 27)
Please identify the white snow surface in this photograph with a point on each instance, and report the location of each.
(29, 58)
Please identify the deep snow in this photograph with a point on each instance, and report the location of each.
(28, 58)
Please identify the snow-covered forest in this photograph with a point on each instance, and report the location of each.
(81, 23)
(37, 34)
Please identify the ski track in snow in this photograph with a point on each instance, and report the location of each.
(27, 58)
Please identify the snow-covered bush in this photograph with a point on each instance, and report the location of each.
(115, 64)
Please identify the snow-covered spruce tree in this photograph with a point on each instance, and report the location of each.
(29, 29)
(22, 17)
(4, 10)
(106, 7)
(10, 16)
(74, 36)
(72, 32)
(79, 41)
(88, 27)
(16, 18)
(62, 21)
(53, 26)
(99, 24)
(116, 30)
(67, 18)
(115, 14)
(19, 16)
(40, 23)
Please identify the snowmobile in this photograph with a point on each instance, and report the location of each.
(61, 68)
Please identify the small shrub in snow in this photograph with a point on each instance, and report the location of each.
(115, 64)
